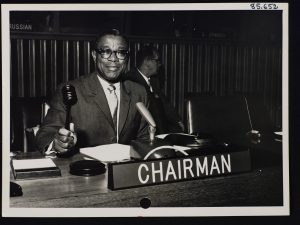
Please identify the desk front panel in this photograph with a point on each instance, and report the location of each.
(260, 187)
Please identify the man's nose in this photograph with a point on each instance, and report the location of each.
(113, 57)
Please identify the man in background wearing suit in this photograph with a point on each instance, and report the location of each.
(146, 73)
(105, 111)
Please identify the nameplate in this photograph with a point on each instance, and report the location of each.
(145, 173)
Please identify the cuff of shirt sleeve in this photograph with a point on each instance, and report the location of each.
(49, 150)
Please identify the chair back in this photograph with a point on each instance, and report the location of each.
(227, 115)
(25, 113)
(217, 115)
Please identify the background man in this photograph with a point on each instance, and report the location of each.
(105, 111)
(146, 74)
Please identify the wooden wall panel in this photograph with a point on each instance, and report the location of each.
(20, 67)
(43, 67)
(53, 65)
(220, 68)
(32, 65)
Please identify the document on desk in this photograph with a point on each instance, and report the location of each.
(32, 163)
(162, 136)
(108, 153)
(34, 168)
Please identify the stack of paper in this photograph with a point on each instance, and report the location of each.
(108, 153)
(34, 168)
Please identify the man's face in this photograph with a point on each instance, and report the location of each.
(108, 66)
(152, 65)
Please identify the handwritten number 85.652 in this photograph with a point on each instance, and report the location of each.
(263, 6)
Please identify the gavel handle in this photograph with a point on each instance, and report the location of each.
(67, 123)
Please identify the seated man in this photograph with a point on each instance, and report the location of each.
(146, 74)
(105, 111)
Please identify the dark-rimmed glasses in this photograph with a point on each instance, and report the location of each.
(106, 53)
(156, 60)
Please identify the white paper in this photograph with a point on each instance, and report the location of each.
(108, 153)
(32, 163)
(162, 136)
(181, 148)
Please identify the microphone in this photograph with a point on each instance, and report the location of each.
(253, 134)
(69, 99)
(145, 113)
(148, 117)
(157, 148)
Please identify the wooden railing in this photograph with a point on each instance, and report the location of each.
(39, 62)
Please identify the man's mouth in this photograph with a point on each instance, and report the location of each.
(112, 68)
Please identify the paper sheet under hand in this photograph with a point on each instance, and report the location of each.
(108, 153)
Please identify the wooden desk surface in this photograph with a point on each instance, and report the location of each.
(260, 187)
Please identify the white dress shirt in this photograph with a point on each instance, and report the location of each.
(105, 86)
(147, 79)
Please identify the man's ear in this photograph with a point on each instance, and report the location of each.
(94, 55)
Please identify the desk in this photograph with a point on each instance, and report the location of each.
(260, 187)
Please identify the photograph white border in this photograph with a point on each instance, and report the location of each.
(136, 212)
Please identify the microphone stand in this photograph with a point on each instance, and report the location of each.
(152, 131)
(67, 123)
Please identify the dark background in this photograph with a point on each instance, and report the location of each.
(261, 26)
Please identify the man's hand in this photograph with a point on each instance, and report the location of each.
(64, 140)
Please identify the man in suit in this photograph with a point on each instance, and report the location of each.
(105, 111)
(147, 74)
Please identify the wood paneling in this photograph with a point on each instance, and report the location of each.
(222, 68)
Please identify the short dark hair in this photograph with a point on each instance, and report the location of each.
(114, 32)
(146, 51)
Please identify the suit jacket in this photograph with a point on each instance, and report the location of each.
(163, 113)
(91, 115)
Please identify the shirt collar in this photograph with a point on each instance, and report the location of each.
(146, 78)
(105, 84)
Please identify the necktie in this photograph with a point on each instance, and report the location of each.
(113, 103)
(149, 84)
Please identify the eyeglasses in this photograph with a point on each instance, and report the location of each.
(155, 60)
(106, 53)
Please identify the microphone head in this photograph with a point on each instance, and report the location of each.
(69, 95)
(145, 113)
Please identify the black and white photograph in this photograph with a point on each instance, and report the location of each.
(145, 110)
